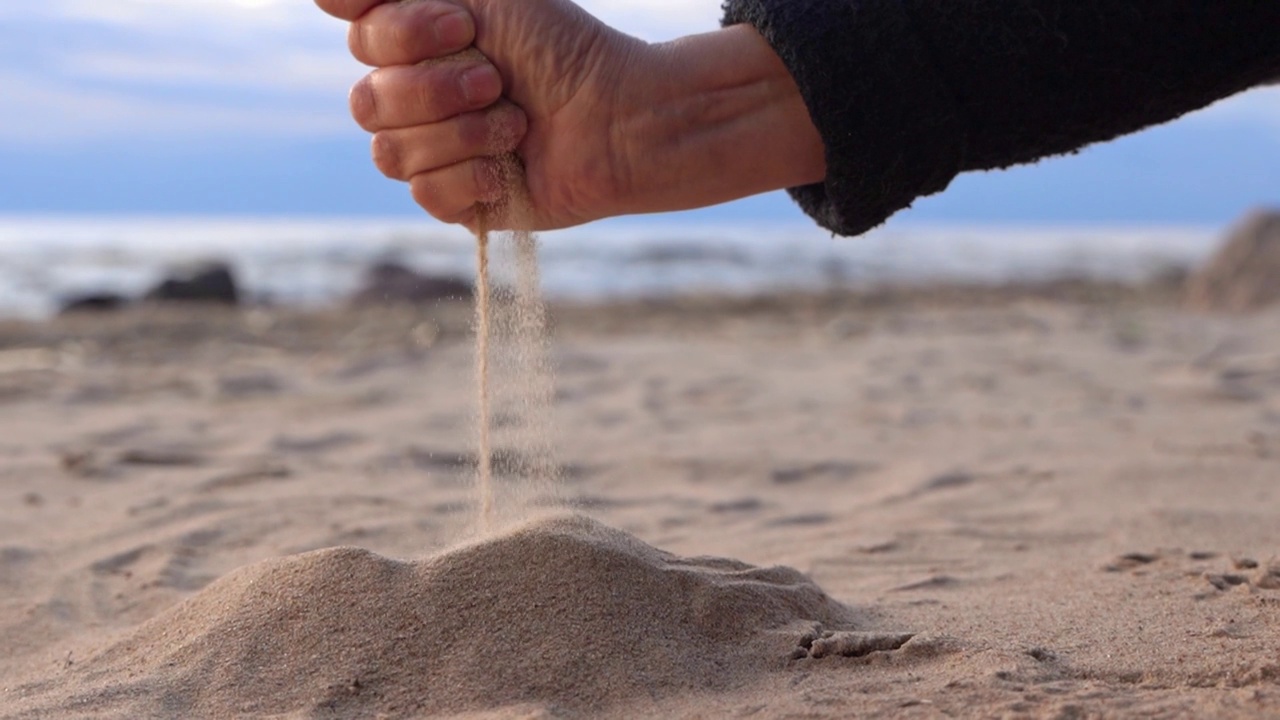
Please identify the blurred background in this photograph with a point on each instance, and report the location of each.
(140, 135)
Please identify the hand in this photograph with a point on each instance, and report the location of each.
(603, 123)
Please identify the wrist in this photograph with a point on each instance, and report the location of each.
(726, 121)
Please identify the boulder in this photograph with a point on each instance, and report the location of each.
(93, 302)
(1244, 275)
(207, 283)
(390, 283)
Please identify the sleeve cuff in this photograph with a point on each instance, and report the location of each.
(891, 129)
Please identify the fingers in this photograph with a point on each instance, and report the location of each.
(435, 125)
(405, 96)
(452, 194)
(403, 33)
(346, 9)
(406, 152)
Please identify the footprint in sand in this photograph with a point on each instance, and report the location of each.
(316, 444)
(805, 520)
(245, 478)
(1130, 561)
(1239, 571)
(831, 470)
(174, 564)
(15, 562)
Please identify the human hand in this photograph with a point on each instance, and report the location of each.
(603, 124)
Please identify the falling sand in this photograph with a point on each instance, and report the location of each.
(484, 450)
(513, 367)
(511, 341)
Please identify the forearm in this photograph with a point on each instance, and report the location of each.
(727, 122)
(909, 93)
(1041, 77)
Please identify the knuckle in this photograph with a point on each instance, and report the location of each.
(364, 103)
(358, 41)
(401, 38)
(334, 8)
(345, 9)
(386, 155)
(472, 133)
(429, 98)
(427, 194)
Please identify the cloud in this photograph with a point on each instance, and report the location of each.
(158, 14)
(39, 113)
(667, 18)
(157, 70)
(77, 70)
(657, 20)
(292, 71)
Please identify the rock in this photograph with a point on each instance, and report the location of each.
(207, 283)
(390, 283)
(1244, 274)
(93, 302)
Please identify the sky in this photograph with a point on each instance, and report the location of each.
(238, 108)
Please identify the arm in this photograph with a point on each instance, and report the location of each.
(724, 121)
(909, 93)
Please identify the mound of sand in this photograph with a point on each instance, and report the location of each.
(1244, 274)
(563, 613)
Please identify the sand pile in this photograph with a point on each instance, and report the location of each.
(564, 613)
(1244, 274)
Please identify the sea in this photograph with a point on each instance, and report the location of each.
(317, 261)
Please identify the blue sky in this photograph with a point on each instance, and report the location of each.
(238, 107)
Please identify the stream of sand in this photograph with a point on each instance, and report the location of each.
(514, 380)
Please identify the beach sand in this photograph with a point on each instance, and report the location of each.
(937, 504)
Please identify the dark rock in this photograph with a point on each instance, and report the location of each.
(209, 283)
(1244, 275)
(94, 302)
(389, 283)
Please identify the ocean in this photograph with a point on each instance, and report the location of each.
(315, 261)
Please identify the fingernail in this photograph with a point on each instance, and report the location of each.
(481, 84)
(453, 31)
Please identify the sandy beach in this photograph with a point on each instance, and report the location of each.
(1040, 503)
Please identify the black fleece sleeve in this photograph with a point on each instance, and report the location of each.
(909, 93)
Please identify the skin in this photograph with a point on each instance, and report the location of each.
(603, 124)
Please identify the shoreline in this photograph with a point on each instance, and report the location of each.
(317, 264)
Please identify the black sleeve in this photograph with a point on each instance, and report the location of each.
(909, 93)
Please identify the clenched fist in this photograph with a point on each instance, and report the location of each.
(603, 123)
